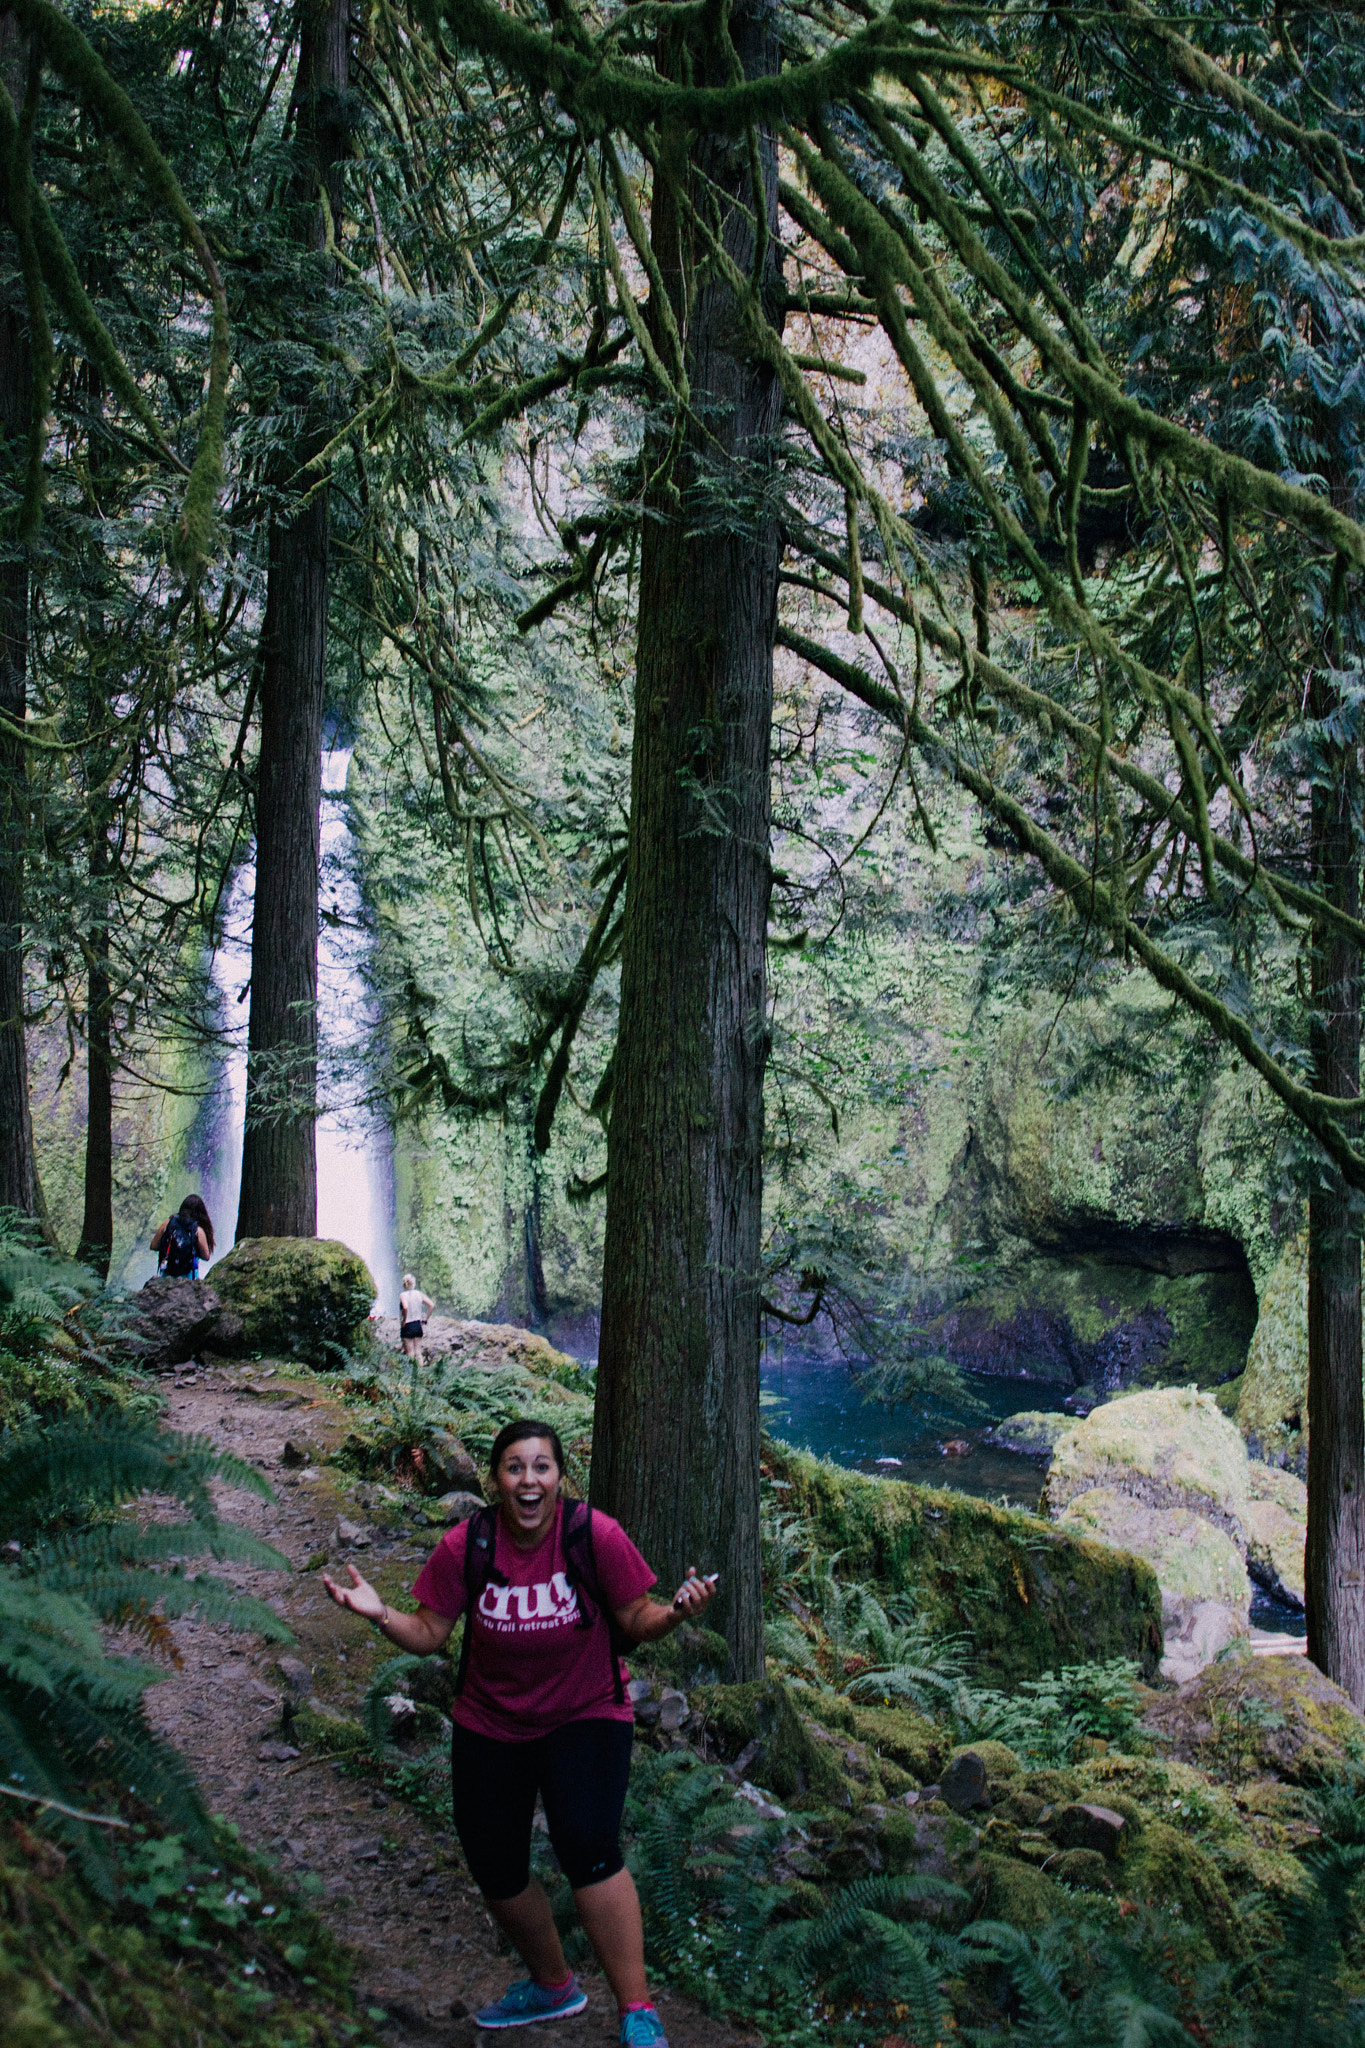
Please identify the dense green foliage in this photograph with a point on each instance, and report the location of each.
(71, 1715)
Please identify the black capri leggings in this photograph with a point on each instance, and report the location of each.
(579, 1770)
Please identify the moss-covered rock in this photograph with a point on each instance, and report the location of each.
(1032, 1596)
(919, 1746)
(1272, 1412)
(1033, 1433)
(1276, 1714)
(1002, 1765)
(302, 1296)
(1169, 1870)
(789, 1760)
(1168, 1448)
(1205, 1590)
(1015, 1892)
(1277, 1527)
(1083, 1869)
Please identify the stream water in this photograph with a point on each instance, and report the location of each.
(816, 1402)
(354, 1145)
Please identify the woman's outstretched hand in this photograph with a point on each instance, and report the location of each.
(695, 1593)
(359, 1596)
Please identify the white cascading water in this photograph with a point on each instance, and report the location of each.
(354, 1145)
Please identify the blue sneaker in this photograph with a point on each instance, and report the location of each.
(643, 2029)
(528, 2004)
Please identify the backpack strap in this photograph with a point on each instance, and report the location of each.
(481, 1532)
(580, 1569)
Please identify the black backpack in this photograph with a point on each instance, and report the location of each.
(580, 1569)
(179, 1247)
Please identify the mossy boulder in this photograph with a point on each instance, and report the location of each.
(1167, 1448)
(1031, 1595)
(1272, 1412)
(784, 1756)
(1002, 1765)
(1034, 1433)
(304, 1297)
(1279, 1715)
(1205, 1590)
(1277, 1527)
(1170, 1870)
(919, 1746)
(1017, 1893)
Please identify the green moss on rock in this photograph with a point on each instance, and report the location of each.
(1277, 1527)
(1002, 1765)
(1272, 1413)
(1030, 1596)
(1017, 1893)
(790, 1762)
(911, 1741)
(302, 1296)
(1170, 1870)
(1276, 1714)
(1169, 1448)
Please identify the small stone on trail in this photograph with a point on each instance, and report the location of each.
(295, 1674)
(351, 1533)
(964, 1783)
(294, 1454)
(672, 1710)
(276, 1752)
(364, 1852)
(639, 1689)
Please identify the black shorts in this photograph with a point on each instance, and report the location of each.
(579, 1770)
(411, 1330)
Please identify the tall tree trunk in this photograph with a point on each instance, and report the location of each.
(279, 1156)
(676, 1439)
(97, 1223)
(18, 1173)
(1334, 1561)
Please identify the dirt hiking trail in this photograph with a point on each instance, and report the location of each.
(394, 1885)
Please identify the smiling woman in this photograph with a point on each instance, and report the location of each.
(551, 1590)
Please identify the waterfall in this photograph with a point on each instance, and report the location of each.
(354, 1144)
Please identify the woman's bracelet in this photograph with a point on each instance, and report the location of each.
(382, 1619)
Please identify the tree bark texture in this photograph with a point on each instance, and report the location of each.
(279, 1154)
(1334, 1558)
(97, 1222)
(676, 1439)
(18, 1172)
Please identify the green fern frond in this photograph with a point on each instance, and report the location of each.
(108, 1546)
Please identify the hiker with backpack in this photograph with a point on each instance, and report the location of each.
(184, 1239)
(553, 1590)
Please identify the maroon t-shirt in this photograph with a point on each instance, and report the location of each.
(532, 1667)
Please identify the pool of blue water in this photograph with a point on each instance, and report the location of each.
(819, 1404)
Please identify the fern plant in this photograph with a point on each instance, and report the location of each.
(71, 1713)
(720, 1921)
(1076, 1987)
(1046, 1720)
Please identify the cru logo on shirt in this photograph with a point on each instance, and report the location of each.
(519, 1610)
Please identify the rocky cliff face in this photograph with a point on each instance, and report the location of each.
(1074, 1190)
